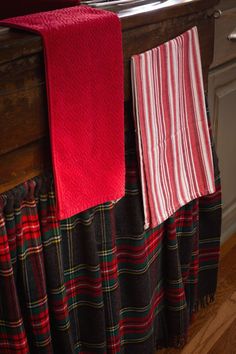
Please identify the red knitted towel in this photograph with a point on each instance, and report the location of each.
(84, 74)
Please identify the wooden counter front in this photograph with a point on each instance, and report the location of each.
(24, 143)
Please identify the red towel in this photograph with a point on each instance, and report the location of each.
(173, 136)
(84, 74)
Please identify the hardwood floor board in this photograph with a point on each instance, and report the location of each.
(216, 323)
(214, 328)
(227, 342)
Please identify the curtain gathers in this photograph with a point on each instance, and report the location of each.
(98, 283)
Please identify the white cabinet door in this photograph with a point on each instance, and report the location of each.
(222, 104)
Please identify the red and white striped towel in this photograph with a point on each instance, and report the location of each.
(173, 136)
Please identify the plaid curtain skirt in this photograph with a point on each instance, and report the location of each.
(97, 282)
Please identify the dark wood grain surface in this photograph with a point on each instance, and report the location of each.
(24, 147)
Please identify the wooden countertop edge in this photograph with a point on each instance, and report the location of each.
(15, 44)
(164, 11)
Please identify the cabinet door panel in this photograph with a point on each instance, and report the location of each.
(225, 49)
(222, 102)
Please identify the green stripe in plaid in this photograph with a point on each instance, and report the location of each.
(97, 283)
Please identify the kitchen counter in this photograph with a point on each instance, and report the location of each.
(25, 146)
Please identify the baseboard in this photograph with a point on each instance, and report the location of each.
(228, 222)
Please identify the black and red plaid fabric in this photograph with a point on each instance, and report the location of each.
(97, 282)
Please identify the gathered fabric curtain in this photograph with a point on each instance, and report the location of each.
(97, 282)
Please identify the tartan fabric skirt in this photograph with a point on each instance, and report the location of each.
(97, 282)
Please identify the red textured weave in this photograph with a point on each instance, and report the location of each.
(84, 74)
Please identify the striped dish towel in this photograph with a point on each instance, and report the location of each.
(172, 129)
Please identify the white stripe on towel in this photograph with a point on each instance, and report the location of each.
(172, 129)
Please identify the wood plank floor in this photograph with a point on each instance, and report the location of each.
(214, 328)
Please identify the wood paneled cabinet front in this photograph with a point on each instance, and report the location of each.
(25, 144)
(222, 104)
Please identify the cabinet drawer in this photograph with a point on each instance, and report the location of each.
(225, 49)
